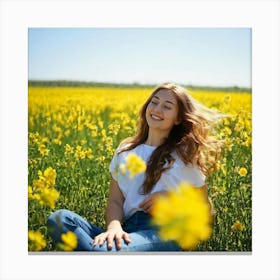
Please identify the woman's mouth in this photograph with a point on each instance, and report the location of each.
(155, 117)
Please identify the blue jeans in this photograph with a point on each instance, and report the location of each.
(143, 236)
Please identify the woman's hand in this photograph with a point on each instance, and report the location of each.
(148, 203)
(114, 233)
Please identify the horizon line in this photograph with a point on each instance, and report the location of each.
(132, 83)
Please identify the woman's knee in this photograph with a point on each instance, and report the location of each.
(57, 217)
(57, 223)
(59, 220)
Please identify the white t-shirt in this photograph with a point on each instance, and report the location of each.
(131, 188)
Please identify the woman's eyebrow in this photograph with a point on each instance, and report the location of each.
(168, 101)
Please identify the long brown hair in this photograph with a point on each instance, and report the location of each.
(190, 139)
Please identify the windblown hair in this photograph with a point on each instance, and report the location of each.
(191, 139)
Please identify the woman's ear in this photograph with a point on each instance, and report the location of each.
(177, 121)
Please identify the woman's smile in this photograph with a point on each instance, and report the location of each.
(156, 117)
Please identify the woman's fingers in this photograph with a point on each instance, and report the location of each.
(95, 240)
(146, 206)
(118, 240)
(126, 237)
(111, 238)
(100, 239)
(145, 203)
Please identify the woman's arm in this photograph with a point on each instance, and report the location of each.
(114, 216)
(114, 209)
(147, 204)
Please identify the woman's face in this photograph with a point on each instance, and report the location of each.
(162, 111)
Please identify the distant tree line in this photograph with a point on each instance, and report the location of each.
(67, 83)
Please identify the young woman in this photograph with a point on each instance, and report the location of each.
(174, 140)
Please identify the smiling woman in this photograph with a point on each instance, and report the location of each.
(173, 121)
(172, 145)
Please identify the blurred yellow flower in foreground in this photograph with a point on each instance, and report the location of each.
(36, 241)
(242, 171)
(134, 164)
(70, 241)
(183, 215)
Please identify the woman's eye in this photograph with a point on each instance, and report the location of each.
(167, 107)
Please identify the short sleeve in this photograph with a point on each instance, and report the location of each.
(114, 165)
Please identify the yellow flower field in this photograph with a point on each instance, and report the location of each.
(72, 136)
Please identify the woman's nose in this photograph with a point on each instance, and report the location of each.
(157, 108)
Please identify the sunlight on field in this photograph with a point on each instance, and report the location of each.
(73, 133)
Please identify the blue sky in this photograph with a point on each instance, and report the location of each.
(189, 56)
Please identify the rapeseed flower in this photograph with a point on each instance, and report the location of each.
(237, 226)
(183, 215)
(36, 241)
(50, 176)
(48, 197)
(88, 153)
(43, 189)
(114, 128)
(227, 130)
(39, 184)
(68, 149)
(70, 241)
(79, 153)
(57, 141)
(242, 172)
(135, 165)
(43, 150)
(46, 179)
(32, 194)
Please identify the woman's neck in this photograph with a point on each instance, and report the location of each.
(155, 138)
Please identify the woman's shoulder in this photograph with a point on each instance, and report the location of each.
(124, 144)
(180, 164)
(128, 145)
(181, 172)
